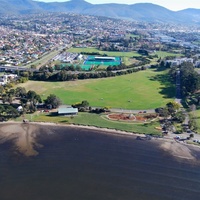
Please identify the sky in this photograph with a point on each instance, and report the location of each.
(170, 4)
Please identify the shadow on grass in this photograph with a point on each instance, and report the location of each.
(160, 69)
(63, 121)
(53, 114)
(168, 89)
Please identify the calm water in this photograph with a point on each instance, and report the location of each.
(85, 165)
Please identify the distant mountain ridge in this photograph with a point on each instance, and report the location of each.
(139, 12)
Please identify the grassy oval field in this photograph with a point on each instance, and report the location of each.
(142, 90)
(108, 53)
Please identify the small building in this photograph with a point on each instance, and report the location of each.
(20, 109)
(65, 110)
(6, 78)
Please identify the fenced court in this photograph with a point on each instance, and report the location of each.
(92, 61)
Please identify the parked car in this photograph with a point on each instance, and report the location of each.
(177, 137)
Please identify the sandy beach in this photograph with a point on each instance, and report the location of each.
(24, 138)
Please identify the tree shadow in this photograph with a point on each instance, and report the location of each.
(63, 121)
(184, 104)
(167, 89)
(53, 114)
(160, 69)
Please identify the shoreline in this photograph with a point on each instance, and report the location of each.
(24, 136)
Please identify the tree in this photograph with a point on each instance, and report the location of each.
(57, 67)
(20, 92)
(4, 98)
(162, 63)
(31, 95)
(168, 126)
(1, 90)
(173, 72)
(78, 68)
(23, 101)
(53, 101)
(163, 112)
(191, 135)
(192, 124)
(179, 116)
(32, 108)
(11, 92)
(190, 79)
(173, 107)
(85, 104)
(10, 99)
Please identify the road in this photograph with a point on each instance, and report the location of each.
(178, 99)
(178, 87)
(14, 68)
(121, 110)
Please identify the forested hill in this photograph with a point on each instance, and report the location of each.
(139, 12)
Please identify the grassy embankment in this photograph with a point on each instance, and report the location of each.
(196, 115)
(96, 120)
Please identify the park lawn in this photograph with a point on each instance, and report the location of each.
(129, 61)
(147, 89)
(163, 54)
(97, 121)
(109, 53)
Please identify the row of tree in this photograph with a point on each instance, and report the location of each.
(12, 99)
(64, 75)
(189, 78)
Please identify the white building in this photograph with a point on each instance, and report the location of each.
(6, 78)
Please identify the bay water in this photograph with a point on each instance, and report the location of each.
(80, 164)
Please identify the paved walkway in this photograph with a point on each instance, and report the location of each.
(121, 110)
(178, 99)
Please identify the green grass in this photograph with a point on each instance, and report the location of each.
(97, 121)
(142, 90)
(128, 60)
(196, 114)
(163, 54)
(109, 53)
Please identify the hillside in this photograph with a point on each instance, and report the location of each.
(140, 12)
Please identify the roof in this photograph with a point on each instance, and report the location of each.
(67, 110)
